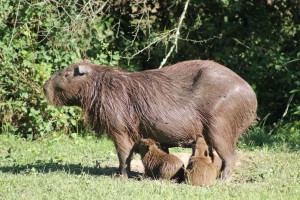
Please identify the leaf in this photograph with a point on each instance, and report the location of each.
(295, 91)
(73, 122)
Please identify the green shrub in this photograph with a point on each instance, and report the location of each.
(37, 39)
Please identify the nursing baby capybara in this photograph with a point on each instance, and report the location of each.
(174, 105)
(157, 163)
(201, 171)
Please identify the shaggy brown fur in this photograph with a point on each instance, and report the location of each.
(173, 105)
(157, 163)
(200, 170)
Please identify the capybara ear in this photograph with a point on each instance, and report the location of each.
(82, 69)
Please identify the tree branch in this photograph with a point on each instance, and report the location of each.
(176, 35)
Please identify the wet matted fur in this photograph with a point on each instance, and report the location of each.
(173, 105)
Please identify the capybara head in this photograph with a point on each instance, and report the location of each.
(66, 87)
(200, 148)
(144, 145)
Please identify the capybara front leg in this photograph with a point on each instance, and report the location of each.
(124, 149)
(124, 163)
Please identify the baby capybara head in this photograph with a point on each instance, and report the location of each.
(68, 86)
(144, 145)
(200, 149)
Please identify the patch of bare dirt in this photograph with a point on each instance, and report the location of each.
(137, 165)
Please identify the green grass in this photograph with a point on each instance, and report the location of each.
(64, 168)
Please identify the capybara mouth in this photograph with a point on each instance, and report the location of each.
(50, 96)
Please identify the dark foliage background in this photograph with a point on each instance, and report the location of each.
(258, 39)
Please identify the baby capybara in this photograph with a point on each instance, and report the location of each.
(201, 171)
(157, 163)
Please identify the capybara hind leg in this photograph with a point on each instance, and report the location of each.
(227, 165)
(227, 152)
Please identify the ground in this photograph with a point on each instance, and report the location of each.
(84, 168)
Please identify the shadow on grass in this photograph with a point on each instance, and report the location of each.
(50, 167)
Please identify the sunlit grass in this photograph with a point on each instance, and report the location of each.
(65, 168)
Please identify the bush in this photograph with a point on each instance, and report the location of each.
(36, 40)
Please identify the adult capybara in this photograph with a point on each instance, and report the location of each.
(157, 163)
(173, 105)
(201, 171)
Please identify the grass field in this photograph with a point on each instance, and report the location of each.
(61, 167)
